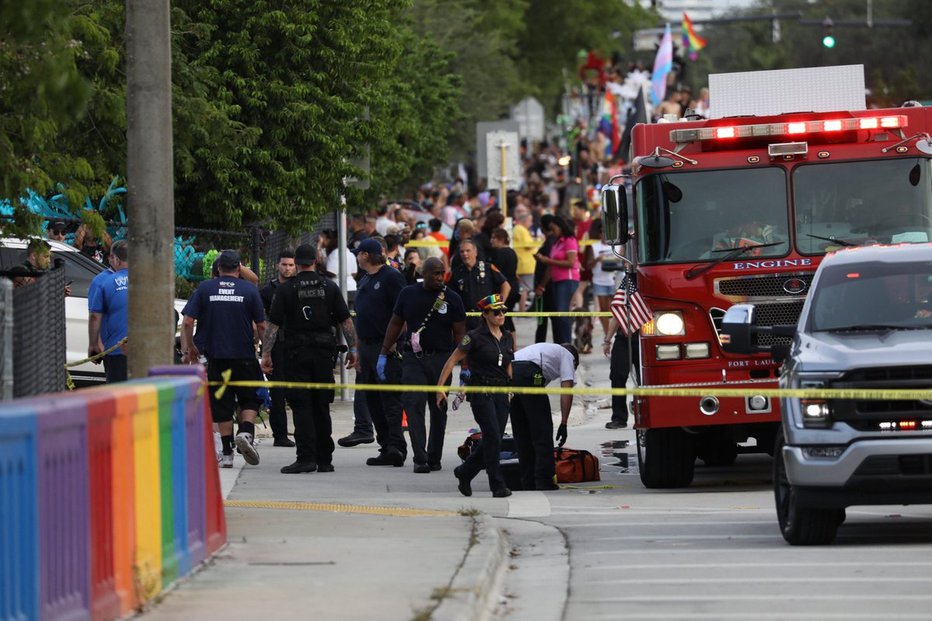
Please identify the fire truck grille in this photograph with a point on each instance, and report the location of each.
(771, 286)
(776, 314)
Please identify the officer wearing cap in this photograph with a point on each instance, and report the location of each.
(536, 366)
(376, 295)
(303, 314)
(488, 350)
(436, 320)
(473, 280)
(226, 308)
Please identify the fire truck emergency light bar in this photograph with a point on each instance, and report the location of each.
(794, 128)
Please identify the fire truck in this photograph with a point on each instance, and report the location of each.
(742, 207)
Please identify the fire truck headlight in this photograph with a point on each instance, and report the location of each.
(697, 350)
(668, 352)
(670, 324)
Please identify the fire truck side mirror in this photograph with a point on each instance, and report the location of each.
(614, 214)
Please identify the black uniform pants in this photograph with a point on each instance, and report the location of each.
(491, 414)
(532, 426)
(618, 373)
(384, 406)
(310, 409)
(278, 420)
(426, 449)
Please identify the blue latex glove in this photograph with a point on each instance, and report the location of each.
(263, 394)
(380, 367)
(465, 374)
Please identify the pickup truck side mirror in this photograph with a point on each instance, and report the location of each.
(740, 333)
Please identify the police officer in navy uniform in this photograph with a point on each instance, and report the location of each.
(303, 314)
(376, 295)
(436, 320)
(226, 309)
(536, 366)
(488, 350)
(278, 420)
(474, 280)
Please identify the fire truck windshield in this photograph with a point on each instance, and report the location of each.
(861, 203)
(698, 216)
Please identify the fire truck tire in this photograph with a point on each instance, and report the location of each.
(666, 457)
(800, 526)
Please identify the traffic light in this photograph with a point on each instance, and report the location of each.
(828, 36)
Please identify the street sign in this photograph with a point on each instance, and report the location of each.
(503, 146)
(482, 129)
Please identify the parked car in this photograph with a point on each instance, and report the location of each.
(866, 324)
(80, 270)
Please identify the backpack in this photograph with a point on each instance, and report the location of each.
(575, 466)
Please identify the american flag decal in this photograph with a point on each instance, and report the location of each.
(629, 308)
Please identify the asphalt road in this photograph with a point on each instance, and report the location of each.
(615, 550)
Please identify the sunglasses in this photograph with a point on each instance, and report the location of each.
(496, 312)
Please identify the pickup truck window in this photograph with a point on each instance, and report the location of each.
(873, 296)
(861, 203)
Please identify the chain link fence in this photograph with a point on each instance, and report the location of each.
(36, 332)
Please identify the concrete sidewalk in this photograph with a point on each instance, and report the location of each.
(359, 543)
(369, 542)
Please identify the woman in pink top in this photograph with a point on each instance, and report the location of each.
(564, 274)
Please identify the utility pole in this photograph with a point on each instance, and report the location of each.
(149, 182)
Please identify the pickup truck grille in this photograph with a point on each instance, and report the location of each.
(867, 413)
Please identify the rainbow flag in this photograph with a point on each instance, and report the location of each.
(663, 65)
(608, 122)
(692, 42)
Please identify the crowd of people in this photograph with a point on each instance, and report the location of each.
(430, 283)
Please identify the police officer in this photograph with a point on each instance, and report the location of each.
(304, 311)
(278, 420)
(474, 280)
(375, 298)
(226, 308)
(488, 350)
(538, 365)
(435, 320)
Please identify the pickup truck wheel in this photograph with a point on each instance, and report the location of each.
(800, 526)
(666, 457)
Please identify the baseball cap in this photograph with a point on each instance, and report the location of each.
(228, 260)
(305, 254)
(57, 225)
(368, 245)
(491, 302)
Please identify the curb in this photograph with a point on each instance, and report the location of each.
(473, 589)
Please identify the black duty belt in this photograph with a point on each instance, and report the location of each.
(488, 381)
(527, 365)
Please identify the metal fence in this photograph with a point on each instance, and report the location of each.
(6, 339)
(38, 334)
(196, 248)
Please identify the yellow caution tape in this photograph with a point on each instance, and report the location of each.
(543, 314)
(69, 383)
(681, 391)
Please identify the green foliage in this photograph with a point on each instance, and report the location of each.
(892, 56)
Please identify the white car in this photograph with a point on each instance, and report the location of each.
(80, 271)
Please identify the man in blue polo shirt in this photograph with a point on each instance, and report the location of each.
(436, 320)
(376, 295)
(228, 307)
(107, 305)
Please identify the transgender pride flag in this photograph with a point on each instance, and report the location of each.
(663, 65)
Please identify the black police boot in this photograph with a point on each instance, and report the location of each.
(501, 493)
(283, 441)
(299, 467)
(357, 437)
(463, 484)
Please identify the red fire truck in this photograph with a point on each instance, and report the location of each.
(741, 208)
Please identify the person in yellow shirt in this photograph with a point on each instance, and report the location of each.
(525, 248)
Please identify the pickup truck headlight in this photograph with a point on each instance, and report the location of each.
(669, 323)
(816, 412)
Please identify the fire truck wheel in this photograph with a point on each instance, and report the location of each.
(800, 526)
(666, 457)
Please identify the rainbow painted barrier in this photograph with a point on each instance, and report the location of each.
(107, 496)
